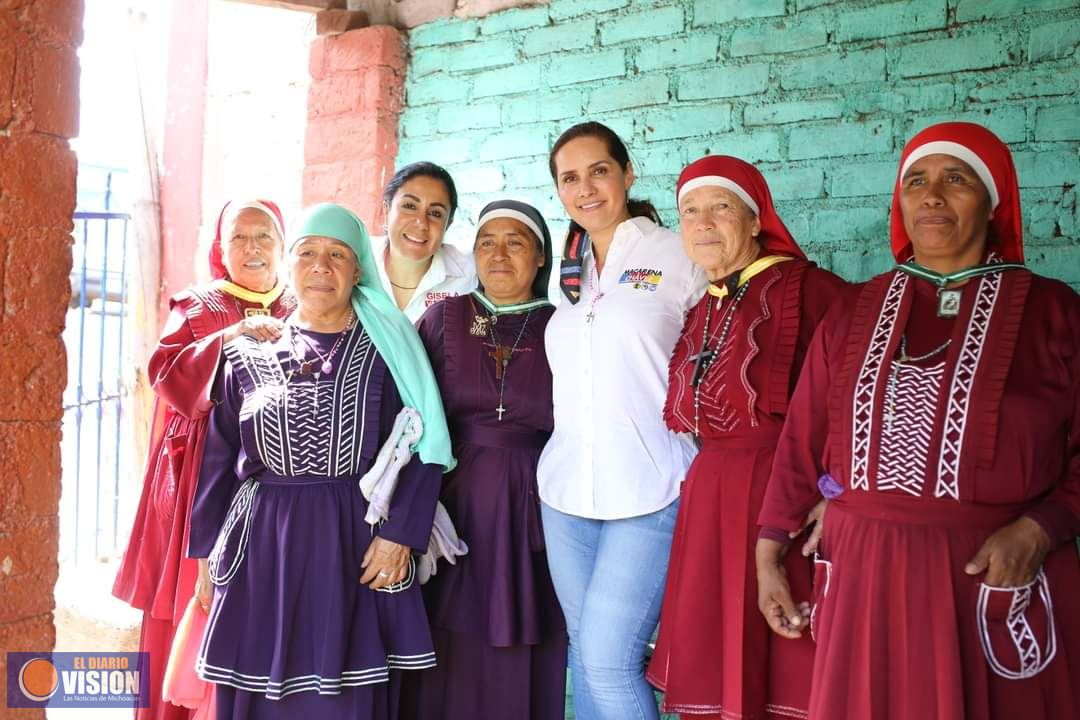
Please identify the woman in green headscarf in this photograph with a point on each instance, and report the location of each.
(330, 443)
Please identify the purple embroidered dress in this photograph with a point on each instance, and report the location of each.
(498, 629)
(292, 633)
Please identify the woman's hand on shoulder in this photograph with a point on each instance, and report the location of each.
(385, 563)
(261, 327)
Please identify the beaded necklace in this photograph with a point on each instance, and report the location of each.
(705, 359)
(307, 367)
(502, 354)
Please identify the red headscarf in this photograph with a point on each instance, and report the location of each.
(991, 160)
(217, 264)
(743, 179)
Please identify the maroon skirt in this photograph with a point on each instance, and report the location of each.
(715, 654)
(903, 632)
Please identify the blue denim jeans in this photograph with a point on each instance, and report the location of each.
(609, 576)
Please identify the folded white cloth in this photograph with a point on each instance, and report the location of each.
(380, 481)
(444, 543)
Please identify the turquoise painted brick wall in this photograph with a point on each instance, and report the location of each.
(821, 94)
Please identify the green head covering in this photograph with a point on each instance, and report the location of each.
(393, 335)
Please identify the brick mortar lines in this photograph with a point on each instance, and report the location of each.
(770, 119)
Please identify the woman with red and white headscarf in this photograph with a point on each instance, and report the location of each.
(246, 297)
(940, 412)
(730, 377)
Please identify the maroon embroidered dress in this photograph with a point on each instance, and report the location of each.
(715, 655)
(933, 456)
(154, 575)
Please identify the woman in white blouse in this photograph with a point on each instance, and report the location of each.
(609, 477)
(415, 267)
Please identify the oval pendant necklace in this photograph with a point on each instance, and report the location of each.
(326, 366)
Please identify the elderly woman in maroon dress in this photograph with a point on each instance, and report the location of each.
(731, 374)
(941, 412)
(245, 298)
(499, 633)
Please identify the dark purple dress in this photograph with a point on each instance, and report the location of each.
(278, 510)
(498, 629)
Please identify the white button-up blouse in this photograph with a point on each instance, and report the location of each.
(611, 455)
(452, 272)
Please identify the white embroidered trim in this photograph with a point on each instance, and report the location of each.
(289, 437)
(405, 584)
(905, 441)
(751, 393)
(824, 594)
(690, 709)
(1033, 659)
(967, 366)
(239, 512)
(787, 711)
(276, 690)
(866, 385)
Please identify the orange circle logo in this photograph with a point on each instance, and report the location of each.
(38, 679)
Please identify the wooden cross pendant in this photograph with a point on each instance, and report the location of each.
(501, 354)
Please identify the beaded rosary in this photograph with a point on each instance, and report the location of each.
(704, 359)
(502, 358)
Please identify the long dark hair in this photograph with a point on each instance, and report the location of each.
(422, 169)
(617, 150)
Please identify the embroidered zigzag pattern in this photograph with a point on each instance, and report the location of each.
(1031, 658)
(952, 442)
(290, 419)
(866, 385)
(1023, 637)
(352, 388)
(307, 435)
(716, 411)
(265, 403)
(906, 437)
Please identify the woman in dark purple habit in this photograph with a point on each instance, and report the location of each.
(307, 526)
(499, 634)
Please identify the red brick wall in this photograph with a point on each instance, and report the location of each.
(354, 101)
(39, 76)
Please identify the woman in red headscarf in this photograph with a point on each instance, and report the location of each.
(730, 377)
(245, 297)
(940, 410)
